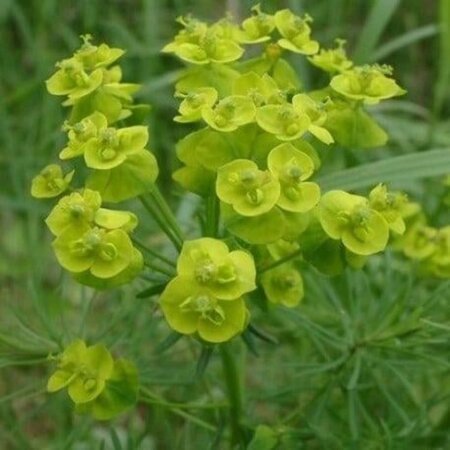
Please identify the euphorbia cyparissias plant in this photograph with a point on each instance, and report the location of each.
(251, 159)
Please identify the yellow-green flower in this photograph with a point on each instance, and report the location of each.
(256, 28)
(210, 264)
(80, 133)
(75, 211)
(350, 218)
(72, 79)
(95, 382)
(112, 146)
(79, 210)
(316, 111)
(191, 309)
(390, 206)
(421, 243)
(92, 56)
(247, 189)
(198, 44)
(191, 107)
(287, 122)
(230, 113)
(261, 89)
(333, 60)
(50, 182)
(124, 277)
(83, 370)
(295, 32)
(292, 168)
(104, 253)
(369, 84)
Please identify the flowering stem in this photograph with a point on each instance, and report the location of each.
(161, 222)
(233, 383)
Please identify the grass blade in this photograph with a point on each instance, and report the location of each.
(399, 169)
(404, 40)
(379, 17)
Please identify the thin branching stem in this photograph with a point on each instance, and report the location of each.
(280, 261)
(153, 253)
(160, 220)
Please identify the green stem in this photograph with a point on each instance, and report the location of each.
(160, 220)
(280, 261)
(212, 216)
(233, 383)
(152, 253)
(160, 401)
(167, 212)
(148, 397)
(159, 269)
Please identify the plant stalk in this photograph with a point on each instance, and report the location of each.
(167, 213)
(212, 216)
(233, 382)
(162, 222)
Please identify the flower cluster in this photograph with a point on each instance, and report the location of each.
(257, 149)
(95, 382)
(90, 84)
(91, 242)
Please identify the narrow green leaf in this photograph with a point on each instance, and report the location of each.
(168, 342)
(261, 334)
(379, 16)
(203, 361)
(398, 169)
(354, 378)
(404, 40)
(153, 290)
(353, 418)
(115, 439)
(249, 342)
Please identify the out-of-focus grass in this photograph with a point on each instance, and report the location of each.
(40, 308)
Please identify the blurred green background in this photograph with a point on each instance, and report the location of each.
(39, 306)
